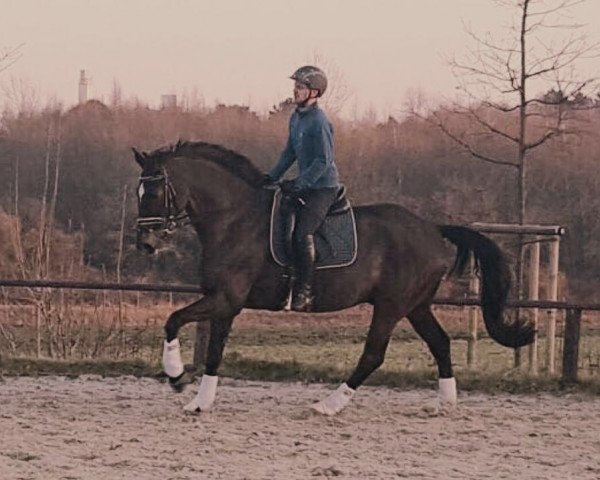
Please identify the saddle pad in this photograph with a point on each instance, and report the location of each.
(335, 241)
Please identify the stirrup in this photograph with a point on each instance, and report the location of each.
(303, 301)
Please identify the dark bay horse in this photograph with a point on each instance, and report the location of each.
(400, 263)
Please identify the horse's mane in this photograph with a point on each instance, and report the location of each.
(234, 162)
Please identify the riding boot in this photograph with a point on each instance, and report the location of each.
(305, 264)
(288, 218)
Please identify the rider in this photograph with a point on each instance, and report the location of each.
(310, 143)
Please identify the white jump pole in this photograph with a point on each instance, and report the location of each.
(534, 294)
(553, 294)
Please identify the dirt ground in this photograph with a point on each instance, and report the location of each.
(126, 428)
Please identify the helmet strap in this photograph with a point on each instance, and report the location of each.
(304, 104)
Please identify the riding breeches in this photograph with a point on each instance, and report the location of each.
(310, 208)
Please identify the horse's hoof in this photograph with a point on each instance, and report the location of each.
(179, 383)
(178, 388)
(322, 409)
(444, 407)
(192, 411)
(336, 402)
(192, 407)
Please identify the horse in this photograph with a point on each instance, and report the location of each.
(400, 264)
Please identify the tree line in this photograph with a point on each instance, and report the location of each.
(68, 176)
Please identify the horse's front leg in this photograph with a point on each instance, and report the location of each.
(215, 308)
(219, 331)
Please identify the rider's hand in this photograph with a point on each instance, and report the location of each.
(266, 181)
(289, 187)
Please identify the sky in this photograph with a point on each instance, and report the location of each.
(243, 51)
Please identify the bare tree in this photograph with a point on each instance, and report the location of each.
(21, 97)
(8, 56)
(338, 91)
(531, 57)
(541, 53)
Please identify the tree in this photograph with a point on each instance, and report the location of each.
(338, 92)
(283, 108)
(9, 56)
(496, 80)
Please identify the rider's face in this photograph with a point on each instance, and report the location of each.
(301, 93)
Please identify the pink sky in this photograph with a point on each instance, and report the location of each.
(241, 51)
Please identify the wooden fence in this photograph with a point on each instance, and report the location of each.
(572, 319)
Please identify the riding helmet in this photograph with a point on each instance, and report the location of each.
(313, 77)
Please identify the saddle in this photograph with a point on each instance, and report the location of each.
(335, 241)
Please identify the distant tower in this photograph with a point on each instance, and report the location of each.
(168, 101)
(83, 87)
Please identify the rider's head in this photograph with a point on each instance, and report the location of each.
(310, 84)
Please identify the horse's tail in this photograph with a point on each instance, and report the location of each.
(495, 284)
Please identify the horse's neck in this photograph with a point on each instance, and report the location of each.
(221, 204)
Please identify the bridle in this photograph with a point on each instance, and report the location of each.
(173, 216)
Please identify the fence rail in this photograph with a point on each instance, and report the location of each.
(186, 288)
(572, 318)
(76, 285)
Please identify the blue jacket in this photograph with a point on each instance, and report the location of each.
(310, 143)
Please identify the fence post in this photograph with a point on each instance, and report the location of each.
(553, 295)
(473, 317)
(571, 347)
(534, 294)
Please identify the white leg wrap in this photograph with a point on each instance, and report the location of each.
(335, 402)
(172, 364)
(447, 394)
(206, 395)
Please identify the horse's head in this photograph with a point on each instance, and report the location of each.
(160, 209)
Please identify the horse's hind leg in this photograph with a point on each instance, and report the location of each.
(385, 318)
(429, 329)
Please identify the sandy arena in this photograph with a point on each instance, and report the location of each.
(126, 428)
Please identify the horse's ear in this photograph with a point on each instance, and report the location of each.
(139, 158)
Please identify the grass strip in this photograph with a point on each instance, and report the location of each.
(239, 367)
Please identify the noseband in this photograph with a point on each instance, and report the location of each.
(173, 216)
